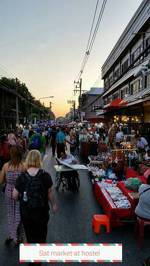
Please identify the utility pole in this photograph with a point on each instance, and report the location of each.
(50, 105)
(73, 104)
(78, 88)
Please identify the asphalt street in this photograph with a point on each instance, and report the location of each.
(72, 223)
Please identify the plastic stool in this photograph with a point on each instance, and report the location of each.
(98, 220)
(139, 229)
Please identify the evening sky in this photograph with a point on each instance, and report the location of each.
(43, 43)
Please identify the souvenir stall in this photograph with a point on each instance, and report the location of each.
(114, 203)
(117, 196)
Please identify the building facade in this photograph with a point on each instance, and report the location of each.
(126, 72)
(89, 103)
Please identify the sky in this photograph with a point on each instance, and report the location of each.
(43, 43)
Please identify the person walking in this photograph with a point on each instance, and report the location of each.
(8, 175)
(34, 190)
(60, 141)
(43, 144)
(53, 134)
(67, 139)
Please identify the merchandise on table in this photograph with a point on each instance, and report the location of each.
(119, 199)
(96, 171)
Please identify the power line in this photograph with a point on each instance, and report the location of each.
(87, 46)
(92, 25)
(97, 24)
(92, 40)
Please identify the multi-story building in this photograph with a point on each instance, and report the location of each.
(89, 102)
(126, 71)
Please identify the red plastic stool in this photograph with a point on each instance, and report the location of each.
(139, 229)
(98, 220)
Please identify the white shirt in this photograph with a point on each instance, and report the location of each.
(146, 157)
(70, 158)
(142, 143)
(119, 136)
(143, 207)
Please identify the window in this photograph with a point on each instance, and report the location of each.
(147, 42)
(136, 54)
(117, 73)
(111, 79)
(122, 93)
(105, 101)
(135, 87)
(147, 81)
(125, 66)
(106, 83)
(127, 90)
(109, 99)
(147, 46)
(115, 96)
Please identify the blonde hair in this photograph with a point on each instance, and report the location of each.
(33, 159)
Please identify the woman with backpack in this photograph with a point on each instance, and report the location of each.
(10, 171)
(34, 190)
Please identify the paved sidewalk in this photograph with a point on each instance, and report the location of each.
(72, 223)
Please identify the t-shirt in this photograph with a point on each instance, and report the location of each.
(47, 182)
(143, 207)
(60, 137)
(119, 136)
(142, 143)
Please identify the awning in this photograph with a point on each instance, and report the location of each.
(123, 103)
(117, 103)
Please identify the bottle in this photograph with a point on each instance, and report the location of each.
(25, 198)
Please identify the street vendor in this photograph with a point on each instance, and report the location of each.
(147, 156)
(142, 144)
(67, 158)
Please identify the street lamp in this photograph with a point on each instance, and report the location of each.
(46, 97)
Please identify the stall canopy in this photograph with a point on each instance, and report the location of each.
(117, 103)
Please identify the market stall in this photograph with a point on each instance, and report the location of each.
(114, 203)
(117, 198)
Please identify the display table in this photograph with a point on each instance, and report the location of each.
(130, 172)
(114, 213)
(132, 196)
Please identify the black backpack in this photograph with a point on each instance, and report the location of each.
(33, 196)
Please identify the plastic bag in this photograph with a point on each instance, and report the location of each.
(133, 183)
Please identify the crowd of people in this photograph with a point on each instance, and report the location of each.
(29, 188)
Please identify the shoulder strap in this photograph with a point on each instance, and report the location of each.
(144, 191)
